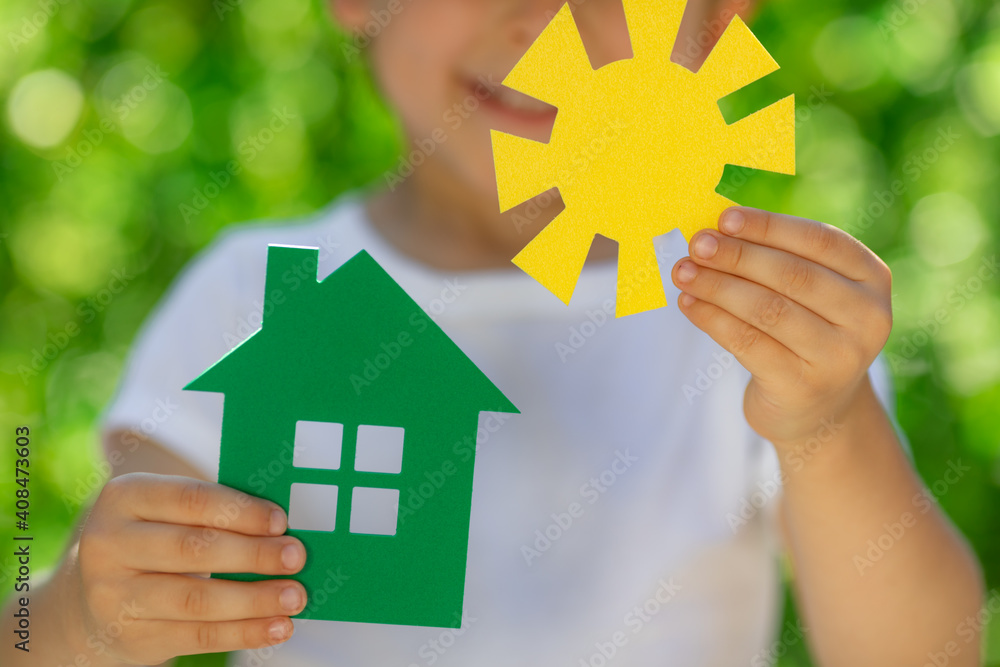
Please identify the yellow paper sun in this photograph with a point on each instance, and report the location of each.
(638, 146)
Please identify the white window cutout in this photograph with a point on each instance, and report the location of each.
(318, 445)
(313, 507)
(374, 511)
(380, 449)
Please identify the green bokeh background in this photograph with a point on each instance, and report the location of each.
(117, 114)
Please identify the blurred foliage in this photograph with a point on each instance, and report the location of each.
(135, 130)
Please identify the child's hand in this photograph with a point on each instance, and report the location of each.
(802, 305)
(145, 539)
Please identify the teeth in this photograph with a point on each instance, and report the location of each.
(519, 101)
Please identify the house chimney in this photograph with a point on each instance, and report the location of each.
(290, 270)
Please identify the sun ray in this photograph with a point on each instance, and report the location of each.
(765, 139)
(737, 44)
(560, 238)
(560, 41)
(524, 164)
(653, 26)
(640, 285)
(708, 205)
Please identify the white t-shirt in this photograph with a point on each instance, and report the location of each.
(626, 516)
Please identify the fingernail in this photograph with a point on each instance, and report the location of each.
(687, 272)
(685, 299)
(290, 556)
(277, 525)
(290, 599)
(279, 630)
(732, 222)
(705, 246)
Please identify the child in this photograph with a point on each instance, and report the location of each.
(631, 513)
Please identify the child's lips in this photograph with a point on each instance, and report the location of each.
(513, 106)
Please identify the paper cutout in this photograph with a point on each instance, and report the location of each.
(338, 359)
(638, 146)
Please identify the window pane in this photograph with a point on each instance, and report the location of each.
(374, 511)
(380, 449)
(317, 445)
(313, 507)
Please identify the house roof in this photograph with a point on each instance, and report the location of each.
(353, 344)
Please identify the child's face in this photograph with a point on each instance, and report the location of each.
(440, 63)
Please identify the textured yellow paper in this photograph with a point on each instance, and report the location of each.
(638, 146)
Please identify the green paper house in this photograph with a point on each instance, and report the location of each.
(346, 402)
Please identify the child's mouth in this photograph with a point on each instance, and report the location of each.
(512, 106)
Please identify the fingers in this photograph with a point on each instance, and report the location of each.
(147, 638)
(826, 293)
(755, 350)
(795, 327)
(821, 243)
(183, 500)
(162, 547)
(180, 597)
